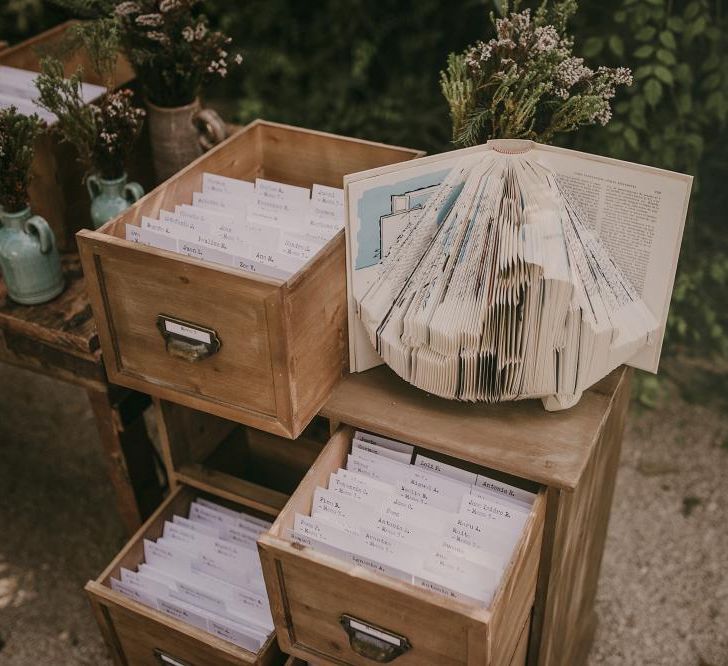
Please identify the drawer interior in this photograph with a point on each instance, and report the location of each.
(313, 590)
(237, 462)
(137, 633)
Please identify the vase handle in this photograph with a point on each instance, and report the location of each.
(133, 192)
(211, 128)
(45, 233)
(93, 186)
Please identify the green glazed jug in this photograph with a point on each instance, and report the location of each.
(29, 258)
(110, 198)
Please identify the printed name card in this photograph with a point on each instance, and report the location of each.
(429, 523)
(205, 571)
(267, 228)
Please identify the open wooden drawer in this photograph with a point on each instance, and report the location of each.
(138, 635)
(313, 594)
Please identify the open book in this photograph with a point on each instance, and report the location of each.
(511, 270)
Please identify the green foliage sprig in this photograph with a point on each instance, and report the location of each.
(103, 133)
(17, 137)
(526, 82)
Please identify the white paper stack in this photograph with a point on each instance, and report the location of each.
(205, 571)
(17, 88)
(430, 524)
(496, 290)
(268, 228)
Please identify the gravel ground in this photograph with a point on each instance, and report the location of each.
(663, 596)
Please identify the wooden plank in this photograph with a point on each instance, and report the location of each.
(232, 488)
(519, 438)
(66, 323)
(566, 612)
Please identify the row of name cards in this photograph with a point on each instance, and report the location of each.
(430, 524)
(265, 227)
(204, 570)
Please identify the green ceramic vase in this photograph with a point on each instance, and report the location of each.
(29, 258)
(110, 198)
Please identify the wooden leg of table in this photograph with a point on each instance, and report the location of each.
(129, 452)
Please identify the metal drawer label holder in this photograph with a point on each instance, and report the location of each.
(186, 340)
(167, 660)
(372, 642)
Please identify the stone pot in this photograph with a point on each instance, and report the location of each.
(181, 134)
(29, 259)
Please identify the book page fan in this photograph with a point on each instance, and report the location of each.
(496, 287)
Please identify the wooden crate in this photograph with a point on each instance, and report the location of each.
(311, 592)
(283, 343)
(138, 635)
(57, 191)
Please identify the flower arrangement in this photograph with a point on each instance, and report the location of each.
(526, 82)
(169, 43)
(17, 137)
(172, 49)
(102, 133)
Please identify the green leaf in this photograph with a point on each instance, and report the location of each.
(592, 47)
(664, 74)
(644, 51)
(666, 57)
(711, 82)
(684, 103)
(668, 40)
(645, 34)
(616, 45)
(653, 92)
(642, 72)
(683, 73)
(620, 16)
(711, 62)
(630, 136)
(675, 23)
(691, 11)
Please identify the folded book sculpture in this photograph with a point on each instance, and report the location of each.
(496, 289)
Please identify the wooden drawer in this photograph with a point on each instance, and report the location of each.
(138, 635)
(283, 344)
(310, 592)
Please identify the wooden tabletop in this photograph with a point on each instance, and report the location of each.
(519, 438)
(58, 337)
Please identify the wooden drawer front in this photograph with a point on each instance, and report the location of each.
(310, 592)
(283, 343)
(138, 635)
(240, 373)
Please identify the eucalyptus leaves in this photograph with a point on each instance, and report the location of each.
(526, 82)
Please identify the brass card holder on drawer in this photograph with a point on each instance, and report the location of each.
(186, 340)
(167, 660)
(372, 642)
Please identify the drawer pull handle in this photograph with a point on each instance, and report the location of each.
(372, 642)
(168, 660)
(187, 341)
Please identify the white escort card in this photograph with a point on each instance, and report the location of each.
(422, 521)
(205, 570)
(272, 229)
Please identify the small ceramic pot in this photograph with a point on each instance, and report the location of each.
(29, 259)
(109, 198)
(179, 135)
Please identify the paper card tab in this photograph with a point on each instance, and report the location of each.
(213, 183)
(450, 471)
(271, 190)
(394, 450)
(505, 490)
(332, 196)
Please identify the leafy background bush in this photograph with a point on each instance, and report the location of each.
(371, 69)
